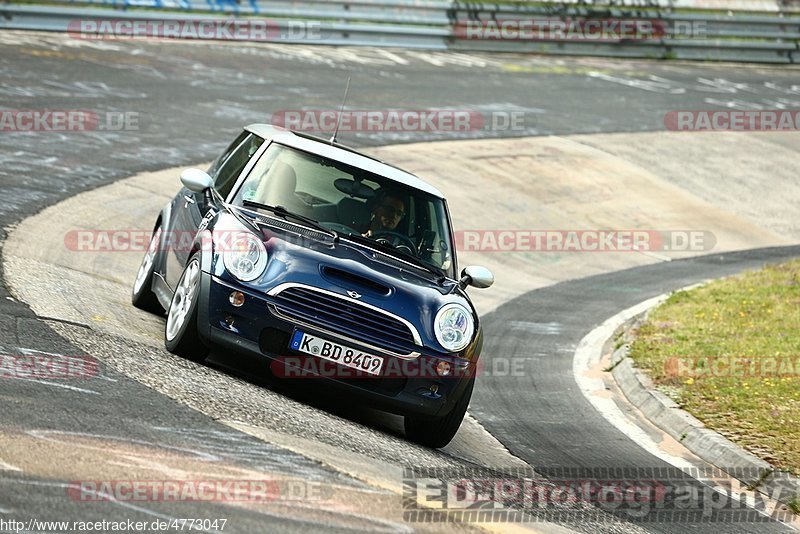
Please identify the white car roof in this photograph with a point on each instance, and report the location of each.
(342, 155)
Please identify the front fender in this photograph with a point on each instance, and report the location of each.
(163, 220)
(204, 243)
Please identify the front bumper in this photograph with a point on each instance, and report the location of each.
(407, 387)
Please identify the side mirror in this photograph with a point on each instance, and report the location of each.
(196, 180)
(476, 276)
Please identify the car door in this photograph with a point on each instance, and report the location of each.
(190, 207)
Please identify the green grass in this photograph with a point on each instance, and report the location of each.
(794, 505)
(752, 321)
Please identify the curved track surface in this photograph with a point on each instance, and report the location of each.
(540, 416)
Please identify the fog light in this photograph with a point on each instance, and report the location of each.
(236, 298)
(431, 392)
(443, 368)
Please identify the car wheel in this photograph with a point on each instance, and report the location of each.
(181, 336)
(142, 295)
(438, 432)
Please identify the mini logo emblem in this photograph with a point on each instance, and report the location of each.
(354, 294)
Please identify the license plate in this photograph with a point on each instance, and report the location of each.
(334, 352)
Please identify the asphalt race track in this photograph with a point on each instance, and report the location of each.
(188, 100)
(560, 429)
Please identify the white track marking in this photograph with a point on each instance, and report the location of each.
(650, 254)
(105, 497)
(720, 85)
(391, 55)
(588, 355)
(53, 436)
(653, 85)
(5, 466)
(57, 385)
(735, 103)
(792, 90)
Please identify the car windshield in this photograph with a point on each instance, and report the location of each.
(353, 202)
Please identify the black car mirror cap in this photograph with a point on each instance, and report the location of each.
(476, 276)
(196, 180)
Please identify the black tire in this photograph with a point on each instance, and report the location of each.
(142, 295)
(181, 335)
(438, 432)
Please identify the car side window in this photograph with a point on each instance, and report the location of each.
(233, 162)
(217, 163)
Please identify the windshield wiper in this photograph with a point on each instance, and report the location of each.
(398, 253)
(286, 214)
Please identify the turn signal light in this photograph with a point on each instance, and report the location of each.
(236, 298)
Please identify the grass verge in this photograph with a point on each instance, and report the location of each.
(729, 353)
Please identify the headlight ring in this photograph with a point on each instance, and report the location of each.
(454, 327)
(245, 257)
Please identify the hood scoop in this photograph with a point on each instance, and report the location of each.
(355, 282)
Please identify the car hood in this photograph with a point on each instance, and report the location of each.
(357, 272)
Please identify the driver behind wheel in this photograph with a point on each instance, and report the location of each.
(387, 212)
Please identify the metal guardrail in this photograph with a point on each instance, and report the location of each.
(325, 31)
(396, 11)
(763, 38)
(421, 6)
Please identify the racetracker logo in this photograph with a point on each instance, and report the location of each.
(362, 120)
(733, 366)
(47, 366)
(66, 120)
(140, 240)
(123, 240)
(206, 29)
(775, 120)
(584, 240)
(550, 29)
(316, 367)
(217, 490)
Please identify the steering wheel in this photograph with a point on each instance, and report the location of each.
(395, 239)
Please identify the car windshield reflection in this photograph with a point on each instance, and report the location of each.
(352, 202)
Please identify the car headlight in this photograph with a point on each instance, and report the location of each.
(454, 327)
(245, 257)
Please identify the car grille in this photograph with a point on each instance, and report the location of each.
(346, 317)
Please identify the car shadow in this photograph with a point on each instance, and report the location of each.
(312, 392)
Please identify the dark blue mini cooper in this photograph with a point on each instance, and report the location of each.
(329, 264)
